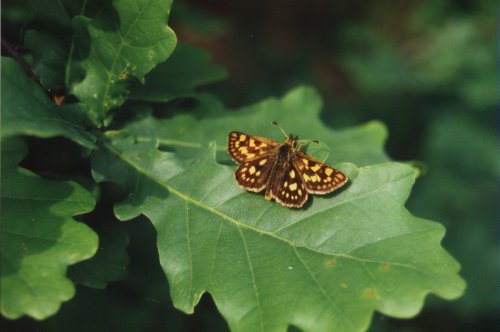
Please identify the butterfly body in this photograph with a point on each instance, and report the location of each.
(287, 174)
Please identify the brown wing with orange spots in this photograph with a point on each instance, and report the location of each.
(287, 188)
(253, 175)
(318, 178)
(243, 147)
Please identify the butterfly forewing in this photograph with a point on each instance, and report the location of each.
(243, 147)
(318, 178)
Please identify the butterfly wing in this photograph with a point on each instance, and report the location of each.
(243, 147)
(286, 186)
(318, 177)
(252, 175)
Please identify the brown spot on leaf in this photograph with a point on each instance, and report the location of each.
(330, 262)
(371, 293)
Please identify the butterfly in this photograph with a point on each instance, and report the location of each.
(287, 174)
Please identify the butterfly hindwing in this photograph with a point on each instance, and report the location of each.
(243, 147)
(318, 178)
(288, 189)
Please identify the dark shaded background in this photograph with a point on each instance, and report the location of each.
(427, 69)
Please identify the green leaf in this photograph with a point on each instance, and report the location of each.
(298, 112)
(50, 54)
(326, 267)
(38, 237)
(127, 41)
(26, 110)
(110, 262)
(187, 68)
(52, 14)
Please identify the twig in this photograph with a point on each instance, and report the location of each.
(15, 54)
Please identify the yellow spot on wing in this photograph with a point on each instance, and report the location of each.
(293, 186)
(251, 143)
(315, 168)
(292, 174)
(243, 137)
(305, 161)
(262, 162)
(328, 171)
(251, 170)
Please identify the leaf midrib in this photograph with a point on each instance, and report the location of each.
(115, 58)
(243, 225)
(173, 142)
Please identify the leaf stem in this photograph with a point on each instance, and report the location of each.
(15, 54)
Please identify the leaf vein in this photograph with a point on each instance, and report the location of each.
(254, 283)
(189, 249)
(212, 268)
(323, 291)
(117, 56)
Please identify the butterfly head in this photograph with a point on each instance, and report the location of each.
(292, 140)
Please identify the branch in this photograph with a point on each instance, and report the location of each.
(15, 54)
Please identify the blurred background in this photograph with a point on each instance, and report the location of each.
(427, 69)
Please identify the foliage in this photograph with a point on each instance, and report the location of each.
(39, 239)
(151, 151)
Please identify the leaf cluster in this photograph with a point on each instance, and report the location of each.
(117, 86)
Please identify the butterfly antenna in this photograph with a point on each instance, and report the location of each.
(306, 143)
(276, 124)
